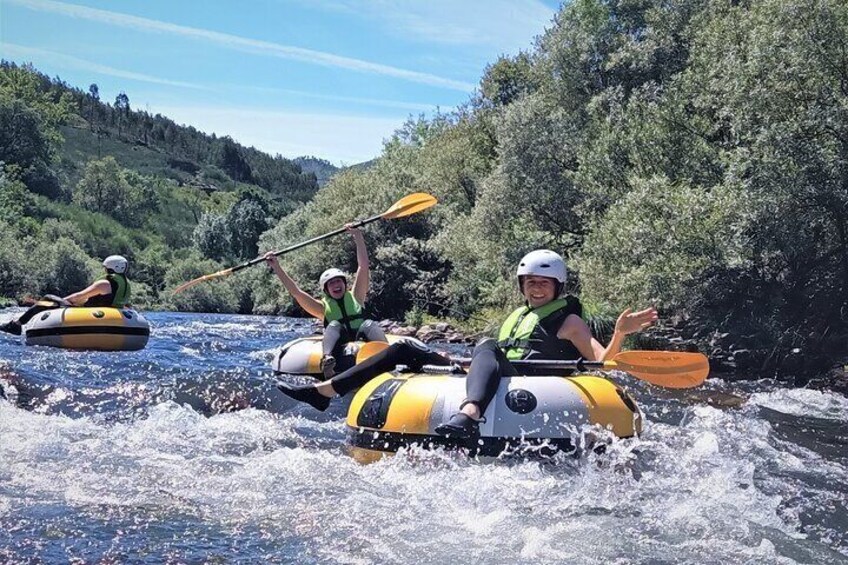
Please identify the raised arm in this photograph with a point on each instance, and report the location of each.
(577, 332)
(307, 302)
(363, 269)
(96, 289)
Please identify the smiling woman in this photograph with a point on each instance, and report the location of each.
(341, 310)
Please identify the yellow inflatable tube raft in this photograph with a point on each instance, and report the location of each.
(105, 329)
(394, 411)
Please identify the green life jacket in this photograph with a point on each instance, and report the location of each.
(120, 289)
(347, 311)
(117, 298)
(526, 332)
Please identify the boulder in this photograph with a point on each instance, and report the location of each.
(427, 334)
(406, 331)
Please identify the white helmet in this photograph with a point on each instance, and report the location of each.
(116, 263)
(329, 275)
(543, 263)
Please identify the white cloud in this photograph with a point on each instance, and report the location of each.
(341, 139)
(507, 25)
(412, 106)
(22, 53)
(242, 43)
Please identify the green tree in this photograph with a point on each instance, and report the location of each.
(93, 104)
(506, 80)
(24, 145)
(122, 110)
(103, 187)
(211, 236)
(233, 162)
(246, 221)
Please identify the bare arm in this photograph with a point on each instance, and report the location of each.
(307, 302)
(363, 268)
(575, 330)
(96, 289)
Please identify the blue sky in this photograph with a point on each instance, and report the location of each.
(330, 78)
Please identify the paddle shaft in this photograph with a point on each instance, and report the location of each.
(356, 224)
(578, 364)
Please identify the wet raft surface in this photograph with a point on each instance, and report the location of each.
(184, 452)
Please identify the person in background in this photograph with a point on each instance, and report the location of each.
(340, 307)
(113, 290)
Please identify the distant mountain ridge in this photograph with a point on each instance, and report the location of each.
(321, 168)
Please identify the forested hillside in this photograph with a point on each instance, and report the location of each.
(321, 168)
(82, 179)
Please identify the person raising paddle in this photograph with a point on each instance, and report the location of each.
(111, 291)
(340, 309)
(546, 327)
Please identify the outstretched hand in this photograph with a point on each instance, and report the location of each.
(631, 322)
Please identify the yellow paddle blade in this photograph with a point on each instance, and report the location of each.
(370, 349)
(671, 369)
(199, 280)
(409, 205)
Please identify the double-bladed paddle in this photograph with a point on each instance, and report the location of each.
(406, 206)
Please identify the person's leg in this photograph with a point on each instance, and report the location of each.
(488, 364)
(332, 335)
(371, 331)
(398, 353)
(16, 326)
(35, 311)
(330, 345)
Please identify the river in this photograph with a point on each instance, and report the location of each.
(186, 453)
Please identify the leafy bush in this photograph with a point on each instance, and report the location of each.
(655, 245)
(16, 275)
(217, 296)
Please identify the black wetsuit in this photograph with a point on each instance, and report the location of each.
(489, 362)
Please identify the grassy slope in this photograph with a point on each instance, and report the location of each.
(82, 145)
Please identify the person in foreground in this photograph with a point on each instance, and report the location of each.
(340, 309)
(546, 327)
(111, 291)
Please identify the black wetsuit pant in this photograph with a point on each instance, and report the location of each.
(41, 306)
(400, 353)
(336, 336)
(488, 365)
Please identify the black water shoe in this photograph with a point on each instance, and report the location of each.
(12, 327)
(305, 393)
(460, 426)
(328, 366)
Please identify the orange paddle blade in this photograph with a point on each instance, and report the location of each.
(409, 205)
(199, 280)
(370, 349)
(670, 369)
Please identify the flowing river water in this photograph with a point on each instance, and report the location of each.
(186, 453)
